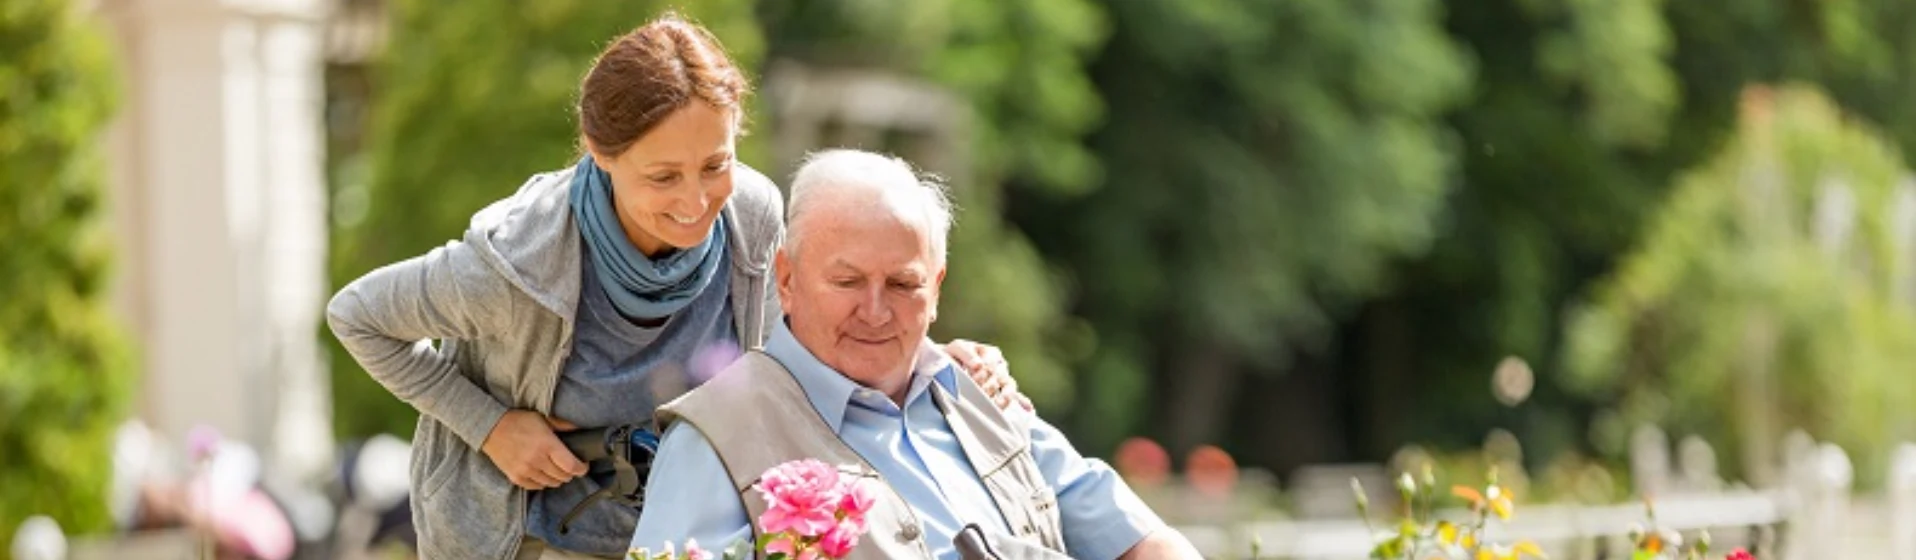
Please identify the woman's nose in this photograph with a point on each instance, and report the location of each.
(697, 202)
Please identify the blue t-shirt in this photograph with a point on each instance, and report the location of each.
(618, 373)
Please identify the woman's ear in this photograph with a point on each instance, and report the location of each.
(598, 158)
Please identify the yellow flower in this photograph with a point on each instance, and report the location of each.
(1452, 535)
(1447, 532)
(1500, 502)
(1517, 552)
(1494, 497)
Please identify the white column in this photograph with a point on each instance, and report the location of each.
(218, 198)
(294, 241)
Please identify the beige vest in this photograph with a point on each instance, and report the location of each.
(756, 416)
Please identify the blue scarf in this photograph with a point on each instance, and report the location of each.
(640, 287)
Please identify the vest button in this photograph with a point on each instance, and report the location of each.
(909, 533)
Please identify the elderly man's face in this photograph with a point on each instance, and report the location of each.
(861, 292)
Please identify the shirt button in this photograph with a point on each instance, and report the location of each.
(909, 533)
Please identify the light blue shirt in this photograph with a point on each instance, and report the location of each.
(690, 496)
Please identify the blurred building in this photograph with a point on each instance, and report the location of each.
(218, 204)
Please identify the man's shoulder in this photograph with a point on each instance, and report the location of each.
(1013, 426)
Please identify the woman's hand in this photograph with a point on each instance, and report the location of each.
(524, 445)
(987, 366)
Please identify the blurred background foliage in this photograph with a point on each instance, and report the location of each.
(1779, 272)
(66, 373)
(1307, 231)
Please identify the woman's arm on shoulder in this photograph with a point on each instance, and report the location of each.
(388, 318)
(987, 366)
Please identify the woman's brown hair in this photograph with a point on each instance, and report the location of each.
(650, 72)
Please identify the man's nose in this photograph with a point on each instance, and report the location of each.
(874, 310)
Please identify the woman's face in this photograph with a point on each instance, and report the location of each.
(670, 185)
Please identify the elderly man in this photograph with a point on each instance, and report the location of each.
(850, 379)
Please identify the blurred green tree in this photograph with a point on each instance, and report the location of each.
(1776, 290)
(1577, 122)
(66, 371)
(469, 100)
(1583, 115)
(1019, 69)
(1263, 162)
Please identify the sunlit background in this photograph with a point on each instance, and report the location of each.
(1613, 251)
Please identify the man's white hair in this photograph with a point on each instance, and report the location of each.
(875, 182)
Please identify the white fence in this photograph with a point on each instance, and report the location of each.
(1811, 514)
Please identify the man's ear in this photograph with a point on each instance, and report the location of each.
(782, 275)
(937, 289)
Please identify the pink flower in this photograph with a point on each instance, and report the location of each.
(1739, 554)
(803, 497)
(839, 541)
(813, 511)
(202, 441)
(855, 499)
(693, 552)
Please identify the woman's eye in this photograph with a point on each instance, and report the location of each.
(664, 178)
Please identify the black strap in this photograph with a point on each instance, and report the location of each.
(565, 523)
(628, 467)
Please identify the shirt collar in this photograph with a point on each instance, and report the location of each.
(830, 392)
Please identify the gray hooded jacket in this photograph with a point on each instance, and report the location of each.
(500, 303)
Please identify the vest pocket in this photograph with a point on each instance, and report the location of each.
(1048, 525)
(1044, 500)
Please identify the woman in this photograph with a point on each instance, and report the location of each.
(578, 302)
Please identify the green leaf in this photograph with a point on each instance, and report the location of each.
(1389, 549)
